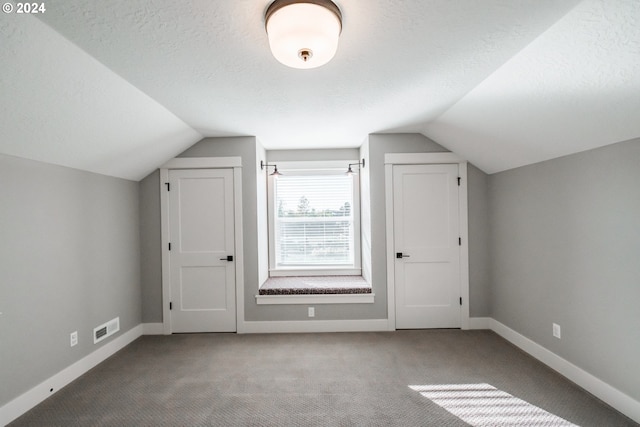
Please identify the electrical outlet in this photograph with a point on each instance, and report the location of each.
(73, 338)
(556, 330)
(312, 312)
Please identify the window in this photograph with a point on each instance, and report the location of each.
(314, 221)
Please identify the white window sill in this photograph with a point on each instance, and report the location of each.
(316, 299)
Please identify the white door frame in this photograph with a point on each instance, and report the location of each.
(426, 159)
(234, 163)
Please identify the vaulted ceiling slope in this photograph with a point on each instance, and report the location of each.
(59, 105)
(575, 87)
(118, 87)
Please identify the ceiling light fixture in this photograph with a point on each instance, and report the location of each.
(303, 33)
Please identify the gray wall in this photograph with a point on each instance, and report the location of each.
(245, 147)
(565, 243)
(479, 286)
(150, 227)
(150, 248)
(255, 238)
(309, 155)
(69, 261)
(263, 223)
(378, 146)
(479, 233)
(250, 151)
(365, 212)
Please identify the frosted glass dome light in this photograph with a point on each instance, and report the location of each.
(303, 34)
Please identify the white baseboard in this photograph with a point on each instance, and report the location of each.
(612, 396)
(301, 326)
(480, 323)
(152, 329)
(33, 397)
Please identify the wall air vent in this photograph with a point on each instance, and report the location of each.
(106, 330)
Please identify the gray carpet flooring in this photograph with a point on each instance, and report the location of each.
(336, 379)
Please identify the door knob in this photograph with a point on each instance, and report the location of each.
(401, 255)
(228, 258)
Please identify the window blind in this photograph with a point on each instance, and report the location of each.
(314, 220)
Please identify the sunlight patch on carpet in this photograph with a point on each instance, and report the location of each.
(482, 405)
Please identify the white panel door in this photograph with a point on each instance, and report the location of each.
(426, 246)
(202, 263)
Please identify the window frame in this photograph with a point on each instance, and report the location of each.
(332, 167)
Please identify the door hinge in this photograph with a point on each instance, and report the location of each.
(170, 306)
(169, 245)
(459, 241)
(168, 186)
(460, 300)
(459, 179)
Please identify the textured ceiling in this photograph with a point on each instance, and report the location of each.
(118, 87)
(575, 87)
(59, 105)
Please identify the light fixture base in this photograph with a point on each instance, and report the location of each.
(279, 4)
(305, 54)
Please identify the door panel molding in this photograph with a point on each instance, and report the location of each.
(425, 159)
(202, 163)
